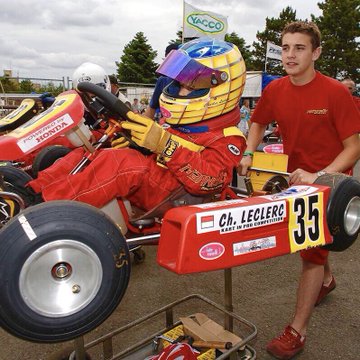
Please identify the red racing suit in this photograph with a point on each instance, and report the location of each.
(141, 178)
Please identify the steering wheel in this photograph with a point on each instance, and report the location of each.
(111, 103)
(107, 102)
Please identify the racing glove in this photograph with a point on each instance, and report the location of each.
(120, 143)
(147, 133)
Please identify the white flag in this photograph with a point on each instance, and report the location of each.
(273, 51)
(198, 23)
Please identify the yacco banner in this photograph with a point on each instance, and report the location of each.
(198, 23)
(273, 51)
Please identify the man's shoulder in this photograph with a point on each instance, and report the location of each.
(278, 83)
(329, 81)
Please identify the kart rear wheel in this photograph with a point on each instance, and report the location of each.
(15, 180)
(47, 156)
(343, 210)
(64, 267)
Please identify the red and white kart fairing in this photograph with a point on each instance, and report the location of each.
(64, 265)
(34, 142)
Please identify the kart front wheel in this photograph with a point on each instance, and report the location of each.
(48, 156)
(343, 210)
(64, 267)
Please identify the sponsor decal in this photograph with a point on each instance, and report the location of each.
(165, 112)
(255, 245)
(205, 22)
(212, 251)
(27, 227)
(48, 131)
(234, 149)
(207, 222)
(242, 218)
(318, 111)
(291, 192)
(274, 149)
(206, 182)
(85, 78)
(170, 148)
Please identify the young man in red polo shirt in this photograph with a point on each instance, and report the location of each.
(319, 124)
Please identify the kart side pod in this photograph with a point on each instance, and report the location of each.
(65, 114)
(236, 232)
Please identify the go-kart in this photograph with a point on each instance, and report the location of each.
(27, 109)
(65, 266)
(46, 142)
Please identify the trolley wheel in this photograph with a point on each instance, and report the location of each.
(47, 156)
(64, 267)
(343, 210)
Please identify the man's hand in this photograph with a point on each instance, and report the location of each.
(244, 165)
(120, 143)
(300, 176)
(146, 132)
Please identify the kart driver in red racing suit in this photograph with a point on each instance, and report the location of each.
(198, 150)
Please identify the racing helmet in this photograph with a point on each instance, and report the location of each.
(92, 73)
(213, 69)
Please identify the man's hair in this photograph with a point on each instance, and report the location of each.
(350, 84)
(304, 27)
(113, 80)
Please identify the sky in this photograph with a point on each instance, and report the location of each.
(50, 38)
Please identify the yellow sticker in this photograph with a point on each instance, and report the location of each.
(306, 225)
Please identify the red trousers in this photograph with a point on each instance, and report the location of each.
(113, 173)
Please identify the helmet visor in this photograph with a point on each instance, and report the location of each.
(189, 72)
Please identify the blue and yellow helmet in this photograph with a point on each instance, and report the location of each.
(215, 70)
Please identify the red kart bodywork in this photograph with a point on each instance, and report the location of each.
(66, 112)
(224, 234)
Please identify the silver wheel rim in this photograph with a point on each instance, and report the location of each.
(352, 216)
(60, 278)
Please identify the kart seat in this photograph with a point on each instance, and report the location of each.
(179, 197)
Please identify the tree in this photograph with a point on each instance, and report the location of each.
(137, 64)
(9, 85)
(339, 26)
(272, 32)
(244, 49)
(26, 86)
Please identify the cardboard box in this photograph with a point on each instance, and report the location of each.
(200, 327)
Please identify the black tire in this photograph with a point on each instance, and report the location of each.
(64, 268)
(47, 156)
(15, 180)
(343, 210)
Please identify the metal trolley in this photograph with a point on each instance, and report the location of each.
(144, 330)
